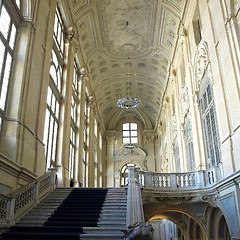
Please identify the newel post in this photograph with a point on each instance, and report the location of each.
(136, 226)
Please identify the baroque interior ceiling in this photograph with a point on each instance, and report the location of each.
(127, 47)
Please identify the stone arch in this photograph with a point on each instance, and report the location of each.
(185, 220)
(216, 223)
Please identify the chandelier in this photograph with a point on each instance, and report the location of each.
(128, 102)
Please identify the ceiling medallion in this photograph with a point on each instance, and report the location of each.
(129, 102)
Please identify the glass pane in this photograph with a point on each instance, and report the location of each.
(134, 140)
(53, 73)
(126, 126)
(134, 133)
(5, 22)
(126, 134)
(133, 126)
(2, 50)
(18, 3)
(12, 36)
(209, 94)
(46, 126)
(49, 96)
(126, 140)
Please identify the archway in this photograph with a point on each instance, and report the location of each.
(176, 224)
(124, 173)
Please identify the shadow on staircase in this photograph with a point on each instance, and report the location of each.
(74, 213)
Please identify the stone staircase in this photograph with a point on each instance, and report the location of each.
(112, 220)
(40, 214)
(44, 221)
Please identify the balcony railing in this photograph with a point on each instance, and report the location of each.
(187, 180)
(12, 207)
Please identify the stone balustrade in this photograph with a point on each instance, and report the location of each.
(186, 180)
(13, 206)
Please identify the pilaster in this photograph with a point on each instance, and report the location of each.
(110, 137)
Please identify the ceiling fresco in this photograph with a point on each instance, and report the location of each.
(127, 46)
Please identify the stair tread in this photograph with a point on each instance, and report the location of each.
(90, 212)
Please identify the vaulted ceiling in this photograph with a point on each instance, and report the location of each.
(127, 46)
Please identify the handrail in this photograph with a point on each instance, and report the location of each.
(13, 206)
(185, 180)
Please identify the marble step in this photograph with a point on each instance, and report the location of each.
(103, 236)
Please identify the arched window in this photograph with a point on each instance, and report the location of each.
(130, 133)
(210, 129)
(124, 173)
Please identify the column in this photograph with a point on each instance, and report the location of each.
(91, 147)
(77, 158)
(99, 160)
(62, 153)
(151, 158)
(110, 137)
(84, 80)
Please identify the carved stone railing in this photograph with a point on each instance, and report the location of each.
(13, 206)
(187, 180)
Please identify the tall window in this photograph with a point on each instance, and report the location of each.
(129, 133)
(54, 95)
(210, 129)
(8, 32)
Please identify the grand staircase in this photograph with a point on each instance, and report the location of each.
(75, 213)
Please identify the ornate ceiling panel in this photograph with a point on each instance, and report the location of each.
(127, 46)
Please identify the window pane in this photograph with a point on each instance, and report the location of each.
(2, 50)
(134, 133)
(126, 126)
(126, 140)
(5, 22)
(126, 133)
(18, 3)
(12, 37)
(134, 140)
(133, 126)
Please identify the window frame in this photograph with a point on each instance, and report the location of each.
(8, 51)
(210, 126)
(130, 133)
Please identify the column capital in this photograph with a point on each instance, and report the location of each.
(110, 136)
(150, 135)
(69, 34)
(84, 75)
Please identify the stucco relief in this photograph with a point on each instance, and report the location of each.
(174, 127)
(127, 31)
(185, 104)
(202, 69)
(131, 151)
(201, 62)
(135, 155)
